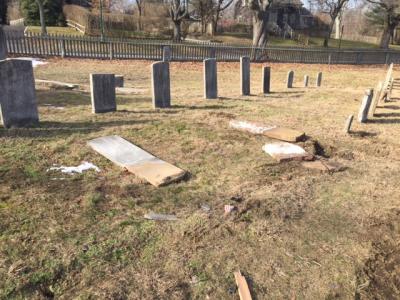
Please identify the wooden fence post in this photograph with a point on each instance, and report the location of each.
(62, 47)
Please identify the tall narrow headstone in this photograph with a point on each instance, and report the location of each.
(18, 107)
(160, 84)
(375, 99)
(266, 80)
(102, 90)
(319, 79)
(290, 77)
(210, 78)
(349, 121)
(305, 80)
(166, 53)
(245, 75)
(3, 44)
(365, 105)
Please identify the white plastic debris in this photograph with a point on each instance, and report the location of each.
(35, 61)
(84, 166)
(253, 128)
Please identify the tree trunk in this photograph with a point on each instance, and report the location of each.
(328, 34)
(215, 23)
(41, 14)
(387, 33)
(260, 33)
(177, 31)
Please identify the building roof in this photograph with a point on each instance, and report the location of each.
(295, 3)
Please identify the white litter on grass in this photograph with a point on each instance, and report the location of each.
(243, 125)
(84, 166)
(35, 61)
(53, 106)
(283, 148)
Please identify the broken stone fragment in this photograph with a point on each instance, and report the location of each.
(324, 166)
(282, 151)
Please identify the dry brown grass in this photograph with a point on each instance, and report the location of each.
(298, 234)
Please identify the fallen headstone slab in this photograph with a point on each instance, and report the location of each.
(35, 61)
(128, 91)
(282, 151)
(160, 217)
(57, 85)
(324, 166)
(279, 133)
(243, 287)
(136, 160)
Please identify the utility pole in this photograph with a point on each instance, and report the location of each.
(101, 21)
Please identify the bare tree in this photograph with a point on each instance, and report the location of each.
(140, 7)
(41, 14)
(389, 12)
(333, 8)
(260, 12)
(178, 11)
(204, 10)
(219, 7)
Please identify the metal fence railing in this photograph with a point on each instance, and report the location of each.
(109, 48)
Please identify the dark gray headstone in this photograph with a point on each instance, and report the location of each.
(319, 79)
(210, 78)
(365, 105)
(266, 79)
(102, 89)
(305, 80)
(166, 55)
(290, 77)
(245, 75)
(119, 80)
(3, 44)
(160, 84)
(17, 94)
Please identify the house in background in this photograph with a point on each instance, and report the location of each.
(292, 13)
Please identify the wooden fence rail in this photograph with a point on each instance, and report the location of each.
(93, 47)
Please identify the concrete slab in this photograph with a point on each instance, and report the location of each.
(137, 160)
(282, 151)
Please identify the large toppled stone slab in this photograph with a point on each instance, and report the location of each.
(56, 85)
(274, 132)
(17, 94)
(282, 151)
(137, 160)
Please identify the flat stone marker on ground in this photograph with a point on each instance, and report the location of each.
(245, 75)
(166, 53)
(102, 90)
(319, 79)
(3, 44)
(18, 106)
(290, 78)
(210, 78)
(137, 160)
(324, 166)
(306, 80)
(365, 105)
(282, 151)
(349, 121)
(274, 132)
(266, 80)
(119, 80)
(160, 84)
(56, 85)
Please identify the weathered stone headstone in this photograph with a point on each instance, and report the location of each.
(349, 121)
(17, 94)
(319, 79)
(160, 84)
(365, 105)
(305, 80)
(245, 75)
(102, 90)
(119, 80)
(3, 44)
(166, 53)
(210, 78)
(266, 79)
(375, 98)
(290, 77)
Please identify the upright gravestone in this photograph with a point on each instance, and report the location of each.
(119, 80)
(245, 75)
(349, 121)
(3, 44)
(319, 79)
(210, 78)
(166, 53)
(160, 84)
(102, 89)
(290, 77)
(305, 80)
(266, 80)
(365, 105)
(375, 99)
(17, 96)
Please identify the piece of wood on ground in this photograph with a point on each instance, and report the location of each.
(57, 85)
(324, 166)
(243, 287)
(160, 217)
(274, 132)
(137, 160)
(282, 151)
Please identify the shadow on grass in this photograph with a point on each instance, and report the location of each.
(385, 121)
(383, 115)
(394, 107)
(201, 107)
(362, 134)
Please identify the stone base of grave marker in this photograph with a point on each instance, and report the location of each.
(102, 88)
(160, 82)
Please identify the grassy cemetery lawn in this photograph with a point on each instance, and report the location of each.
(297, 233)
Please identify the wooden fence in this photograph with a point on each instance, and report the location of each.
(93, 47)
